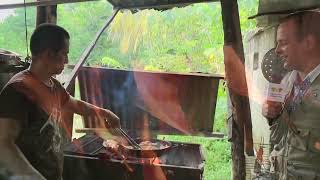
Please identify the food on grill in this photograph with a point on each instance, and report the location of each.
(145, 145)
(111, 144)
(148, 145)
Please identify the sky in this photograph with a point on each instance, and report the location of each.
(10, 1)
(7, 12)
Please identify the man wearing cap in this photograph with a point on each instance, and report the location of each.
(296, 123)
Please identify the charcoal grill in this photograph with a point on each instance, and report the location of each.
(87, 159)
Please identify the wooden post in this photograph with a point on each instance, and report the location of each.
(46, 14)
(241, 138)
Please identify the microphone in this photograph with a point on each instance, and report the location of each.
(273, 70)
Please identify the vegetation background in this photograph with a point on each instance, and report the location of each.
(188, 39)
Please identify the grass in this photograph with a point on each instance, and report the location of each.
(220, 122)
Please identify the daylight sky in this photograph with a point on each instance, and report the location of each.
(6, 12)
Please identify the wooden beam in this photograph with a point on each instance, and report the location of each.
(39, 3)
(46, 14)
(241, 117)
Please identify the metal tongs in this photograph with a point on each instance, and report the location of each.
(124, 135)
(131, 141)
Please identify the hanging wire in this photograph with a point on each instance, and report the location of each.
(26, 28)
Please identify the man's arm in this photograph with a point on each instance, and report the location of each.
(10, 155)
(89, 110)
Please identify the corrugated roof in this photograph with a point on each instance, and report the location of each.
(284, 7)
(154, 4)
(166, 103)
(122, 4)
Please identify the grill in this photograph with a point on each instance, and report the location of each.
(86, 159)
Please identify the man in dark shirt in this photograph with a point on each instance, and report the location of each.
(31, 105)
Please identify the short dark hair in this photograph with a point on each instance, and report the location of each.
(48, 36)
(307, 23)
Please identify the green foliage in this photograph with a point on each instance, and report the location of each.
(218, 160)
(111, 63)
(12, 31)
(185, 33)
(83, 21)
(186, 39)
(220, 120)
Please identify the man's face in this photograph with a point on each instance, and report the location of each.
(289, 47)
(59, 59)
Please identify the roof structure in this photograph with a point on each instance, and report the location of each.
(154, 4)
(120, 4)
(284, 7)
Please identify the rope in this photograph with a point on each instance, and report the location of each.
(26, 28)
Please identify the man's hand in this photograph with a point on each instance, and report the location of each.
(102, 117)
(271, 109)
(112, 120)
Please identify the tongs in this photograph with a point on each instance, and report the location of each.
(131, 141)
(124, 135)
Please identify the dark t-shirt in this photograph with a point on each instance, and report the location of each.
(37, 108)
